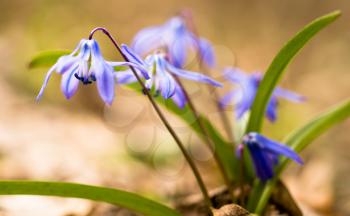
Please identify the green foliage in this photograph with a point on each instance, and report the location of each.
(47, 58)
(120, 198)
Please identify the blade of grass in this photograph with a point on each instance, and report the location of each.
(47, 58)
(120, 198)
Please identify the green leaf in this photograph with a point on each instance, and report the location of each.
(278, 65)
(47, 58)
(300, 139)
(274, 73)
(223, 148)
(120, 198)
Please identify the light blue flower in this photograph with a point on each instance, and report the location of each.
(176, 39)
(243, 96)
(265, 154)
(85, 64)
(161, 74)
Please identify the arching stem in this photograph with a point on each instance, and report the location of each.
(163, 119)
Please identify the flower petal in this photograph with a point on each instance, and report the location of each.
(278, 148)
(46, 80)
(105, 81)
(178, 51)
(125, 77)
(227, 99)
(207, 52)
(271, 110)
(262, 163)
(64, 63)
(179, 97)
(193, 76)
(164, 82)
(134, 58)
(289, 95)
(235, 75)
(147, 39)
(69, 84)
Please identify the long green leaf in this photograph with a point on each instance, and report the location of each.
(120, 198)
(47, 58)
(278, 65)
(274, 73)
(223, 148)
(300, 139)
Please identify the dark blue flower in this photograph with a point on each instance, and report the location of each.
(265, 154)
(85, 64)
(161, 74)
(243, 96)
(177, 39)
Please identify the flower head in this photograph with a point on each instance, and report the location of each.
(86, 65)
(161, 73)
(244, 95)
(265, 154)
(177, 39)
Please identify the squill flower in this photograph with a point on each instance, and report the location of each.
(244, 95)
(265, 154)
(177, 39)
(85, 64)
(161, 74)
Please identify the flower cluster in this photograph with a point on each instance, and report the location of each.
(158, 55)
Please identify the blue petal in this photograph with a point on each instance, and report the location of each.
(147, 39)
(289, 95)
(207, 52)
(125, 77)
(278, 148)
(105, 82)
(247, 96)
(262, 163)
(64, 63)
(192, 76)
(227, 99)
(179, 97)
(47, 78)
(164, 82)
(69, 84)
(235, 75)
(271, 110)
(134, 58)
(178, 51)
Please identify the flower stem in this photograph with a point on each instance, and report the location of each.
(187, 16)
(164, 120)
(208, 141)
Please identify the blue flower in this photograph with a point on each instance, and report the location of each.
(85, 64)
(244, 95)
(176, 39)
(161, 74)
(265, 154)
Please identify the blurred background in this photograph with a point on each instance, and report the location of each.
(125, 145)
